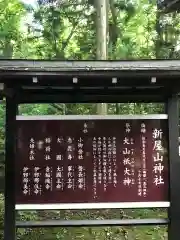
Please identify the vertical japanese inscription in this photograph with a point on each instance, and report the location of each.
(81, 178)
(70, 181)
(37, 186)
(48, 178)
(70, 148)
(94, 153)
(104, 154)
(59, 154)
(26, 181)
(99, 154)
(143, 158)
(109, 156)
(32, 149)
(114, 158)
(47, 148)
(158, 157)
(59, 178)
(128, 157)
(80, 149)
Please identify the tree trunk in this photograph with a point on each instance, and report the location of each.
(8, 50)
(101, 40)
(159, 40)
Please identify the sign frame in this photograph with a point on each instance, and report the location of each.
(95, 85)
(99, 205)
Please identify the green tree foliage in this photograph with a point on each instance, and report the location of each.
(60, 29)
(66, 30)
(11, 12)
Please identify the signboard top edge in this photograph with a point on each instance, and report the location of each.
(93, 117)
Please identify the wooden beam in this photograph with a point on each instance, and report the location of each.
(5, 92)
(53, 66)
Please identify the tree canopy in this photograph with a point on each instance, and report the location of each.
(55, 29)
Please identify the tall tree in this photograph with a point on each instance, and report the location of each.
(101, 40)
(11, 12)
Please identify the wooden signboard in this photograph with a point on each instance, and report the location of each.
(92, 162)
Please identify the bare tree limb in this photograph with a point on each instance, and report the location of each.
(58, 108)
(113, 29)
(64, 45)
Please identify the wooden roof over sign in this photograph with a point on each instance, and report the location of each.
(90, 81)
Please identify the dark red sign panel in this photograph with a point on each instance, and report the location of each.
(91, 161)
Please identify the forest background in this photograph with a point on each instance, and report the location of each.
(66, 29)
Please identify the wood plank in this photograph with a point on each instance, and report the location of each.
(42, 65)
